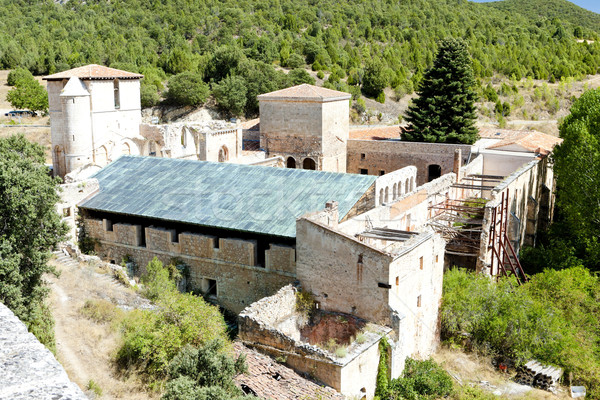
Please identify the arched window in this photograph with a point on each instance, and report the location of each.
(434, 171)
(395, 192)
(291, 162)
(387, 194)
(309, 163)
(380, 196)
(223, 154)
(102, 156)
(407, 186)
(125, 149)
(117, 95)
(412, 183)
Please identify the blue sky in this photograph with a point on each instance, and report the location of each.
(592, 5)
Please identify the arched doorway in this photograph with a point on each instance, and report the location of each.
(102, 156)
(223, 154)
(309, 163)
(290, 163)
(434, 171)
(125, 149)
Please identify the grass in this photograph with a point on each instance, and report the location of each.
(102, 311)
(94, 387)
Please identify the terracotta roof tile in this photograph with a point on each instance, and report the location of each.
(273, 381)
(536, 142)
(305, 92)
(251, 125)
(376, 133)
(93, 71)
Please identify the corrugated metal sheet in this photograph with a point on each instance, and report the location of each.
(232, 196)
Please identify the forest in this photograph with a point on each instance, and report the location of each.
(361, 44)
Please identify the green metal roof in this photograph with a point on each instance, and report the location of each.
(247, 198)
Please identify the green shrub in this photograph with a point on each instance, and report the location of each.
(298, 76)
(305, 302)
(156, 280)
(421, 380)
(187, 89)
(94, 387)
(230, 94)
(101, 311)
(295, 61)
(19, 76)
(382, 383)
(320, 75)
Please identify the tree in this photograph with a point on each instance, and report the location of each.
(187, 89)
(29, 228)
(18, 75)
(28, 94)
(298, 76)
(374, 80)
(577, 168)
(444, 112)
(230, 94)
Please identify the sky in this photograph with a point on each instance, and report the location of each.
(592, 5)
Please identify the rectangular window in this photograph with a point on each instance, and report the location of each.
(364, 171)
(381, 172)
(208, 287)
(419, 301)
(397, 280)
(421, 263)
(436, 258)
(363, 156)
(117, 96)
(67, 212)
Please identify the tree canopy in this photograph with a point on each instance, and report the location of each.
(445, 112)
(27, 93)
(29, 228)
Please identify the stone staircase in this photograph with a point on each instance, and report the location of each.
(62, 258)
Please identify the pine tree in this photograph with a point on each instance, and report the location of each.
(444, 112)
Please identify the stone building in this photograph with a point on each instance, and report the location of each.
(94, 111)
(306, 125)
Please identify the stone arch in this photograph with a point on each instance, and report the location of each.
(395, 192)
(223, 154)
(387, 194)
(412, 183)
(291, 162)
(125, 149)
(102, 156)
(381, 196)
(309, 163)
(407, 186)
(434, 171)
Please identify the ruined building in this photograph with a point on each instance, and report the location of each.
(369, 246)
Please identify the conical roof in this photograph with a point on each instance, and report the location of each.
(74, 88)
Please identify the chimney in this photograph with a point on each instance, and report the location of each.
(457, 163)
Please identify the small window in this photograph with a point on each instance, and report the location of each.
(73, 137)
(212, 288)
(421, 263)
(117, 96)
(397, 280)
(360, 258)
(436, 258)
(363, 156)
(67, 212)
(364, 171)
(381, 172)
(216, 243)
(419, 301)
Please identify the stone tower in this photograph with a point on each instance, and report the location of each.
(95, 116)
(307, 125)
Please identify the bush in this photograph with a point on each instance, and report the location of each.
(230, 94)
(28, 94)
(101, 311)
(295, 61)
(421, 380)
(156, 280)
(19, 76)
(187, 89)
(552, 318)
(298, 76)
(149, 96)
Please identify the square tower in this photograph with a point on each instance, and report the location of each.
(306, 125)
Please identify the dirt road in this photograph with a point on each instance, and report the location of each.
(86, 348)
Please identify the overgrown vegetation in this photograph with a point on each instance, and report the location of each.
(29, 228)
(157, 342)
(27, 93)
(372, 45)
(552, 318)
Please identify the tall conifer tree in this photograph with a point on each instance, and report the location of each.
(444, 112)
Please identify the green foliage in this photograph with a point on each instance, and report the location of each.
(577, 169)
(552, 318)
(374, 79)
(148, 95)
(230, 95)
(320, 75)
(295, 61)
(421, 380)
(94, 387)
(502, 109)
(444, 112)
(187, 89)
(299, 76)
(195, 373)
(29, 228)
(101, 311)
(19, 76)
(490, 94)
(383, 381)
(152, 338)
(305, 302)
(27, 93)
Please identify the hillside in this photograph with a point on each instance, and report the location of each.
(540, 10)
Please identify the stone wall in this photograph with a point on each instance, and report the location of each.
(29, 370)
(375, 156)
(272, 325)
(72, 194)
(230, 263)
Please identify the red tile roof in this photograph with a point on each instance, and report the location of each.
(376, 133)
(251, 125)
(273, 381)
(93, 71)
(536, 142)
(305, 92)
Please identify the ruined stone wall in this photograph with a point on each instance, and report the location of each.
(342, 272)
(72, 194)
(395, 184)
(335, 135)
(29, 370)
(230, 263)
(375, 156)
(529, 190)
